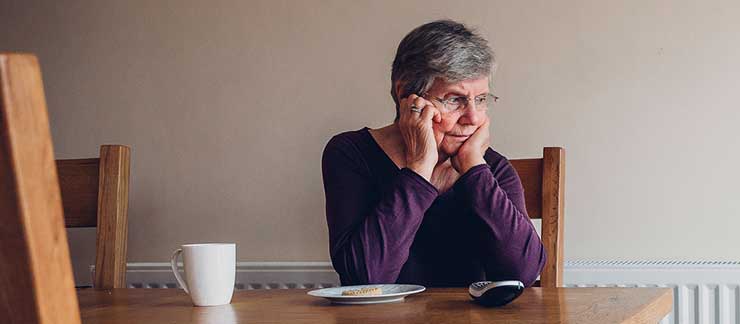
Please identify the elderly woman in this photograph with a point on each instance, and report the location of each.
(425, 200)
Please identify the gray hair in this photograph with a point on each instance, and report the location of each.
(440, 49)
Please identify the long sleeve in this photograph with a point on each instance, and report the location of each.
(370, 230)
(510, 244)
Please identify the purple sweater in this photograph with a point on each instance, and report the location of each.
(392, 226)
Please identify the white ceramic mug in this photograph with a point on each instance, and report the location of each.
(210, 271)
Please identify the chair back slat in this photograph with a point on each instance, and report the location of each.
(530, 174)
(78, 179)
(35, 269)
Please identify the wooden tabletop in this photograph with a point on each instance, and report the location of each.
(436, 305)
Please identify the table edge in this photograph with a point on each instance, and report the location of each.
(655, 311)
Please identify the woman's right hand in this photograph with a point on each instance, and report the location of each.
(418, 134)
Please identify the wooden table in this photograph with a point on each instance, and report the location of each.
(436, 305)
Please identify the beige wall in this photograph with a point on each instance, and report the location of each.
(227, 106)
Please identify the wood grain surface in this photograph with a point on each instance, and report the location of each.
(436, 305)
(543, 181)
(78, 180)
(530, 174)
(553, 213)
(95, 194)
(36, 284)
(112, 233)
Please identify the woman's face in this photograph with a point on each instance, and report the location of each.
(457, 126)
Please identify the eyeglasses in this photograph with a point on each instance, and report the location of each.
(451, 104)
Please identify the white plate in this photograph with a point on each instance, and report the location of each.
(391, 293)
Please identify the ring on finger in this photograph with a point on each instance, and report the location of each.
(415, 109)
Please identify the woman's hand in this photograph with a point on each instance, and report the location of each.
(471, 152)
(418, 134)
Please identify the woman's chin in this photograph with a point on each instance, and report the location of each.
(450, 149)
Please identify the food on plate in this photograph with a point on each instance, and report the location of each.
(366, 291)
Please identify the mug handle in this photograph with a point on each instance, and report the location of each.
(173, 263)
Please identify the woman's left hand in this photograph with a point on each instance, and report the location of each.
(471, 152)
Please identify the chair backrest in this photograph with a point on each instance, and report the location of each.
(95, 194)
(36, 283)
(544, 193)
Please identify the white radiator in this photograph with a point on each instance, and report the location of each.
(704, 291)
(249, 275)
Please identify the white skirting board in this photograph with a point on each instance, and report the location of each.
(704, 291)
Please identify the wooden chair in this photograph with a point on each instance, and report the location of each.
(544, 190)
(36, 283)
(95, 194)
